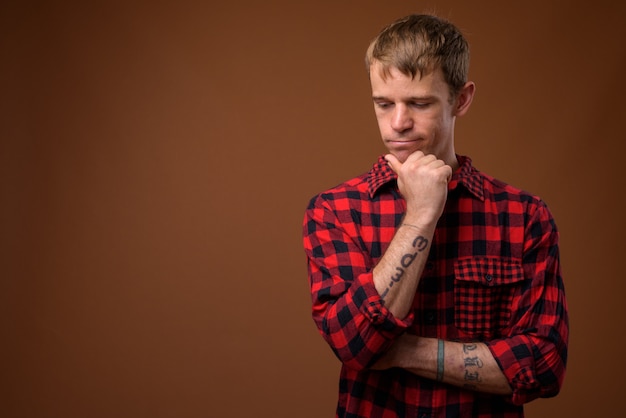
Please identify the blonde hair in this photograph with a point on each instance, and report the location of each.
(419, 44)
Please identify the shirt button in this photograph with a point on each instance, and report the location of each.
(488, 277)
(430, 317)
(430, 266)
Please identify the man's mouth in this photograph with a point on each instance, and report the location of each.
(401, 141)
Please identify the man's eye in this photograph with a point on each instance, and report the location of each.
(383, 105)
(420, 105)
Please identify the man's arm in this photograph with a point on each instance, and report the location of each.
(346, 288)
(397, 274)
(467, 365)
(423, 181)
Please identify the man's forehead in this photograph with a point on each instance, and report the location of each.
(395, 85)
(394, 76)
(386, 69)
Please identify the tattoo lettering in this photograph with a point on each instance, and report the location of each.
(472, 362)
(407, 259)
(469, 347)
(420, 244)
(472, 376)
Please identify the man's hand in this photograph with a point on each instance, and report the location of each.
(423, 181)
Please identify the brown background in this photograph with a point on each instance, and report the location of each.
(156, 160)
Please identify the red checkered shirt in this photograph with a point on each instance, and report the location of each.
(492, 276)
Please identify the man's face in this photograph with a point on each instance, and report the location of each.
(414, 114)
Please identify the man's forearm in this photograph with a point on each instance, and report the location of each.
(467, 365)
(397, 274)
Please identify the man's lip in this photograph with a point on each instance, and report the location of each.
(401, 141)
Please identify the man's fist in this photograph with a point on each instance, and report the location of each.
(423, 181)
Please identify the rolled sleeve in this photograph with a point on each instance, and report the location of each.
(346, 306)
(533, 367)
(353, 319)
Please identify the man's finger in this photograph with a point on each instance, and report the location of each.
(393, 162)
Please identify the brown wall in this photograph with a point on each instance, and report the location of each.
(156, 159)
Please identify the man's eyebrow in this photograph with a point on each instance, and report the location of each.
(408, 99)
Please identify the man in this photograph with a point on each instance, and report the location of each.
(437, 286)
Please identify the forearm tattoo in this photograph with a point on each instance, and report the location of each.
(419, 244)
(473, 364)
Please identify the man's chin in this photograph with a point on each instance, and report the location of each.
(402, 155)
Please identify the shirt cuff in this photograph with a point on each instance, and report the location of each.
(515, 358)
(373, 307)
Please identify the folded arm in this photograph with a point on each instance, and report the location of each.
(467, 365)
(526, 363)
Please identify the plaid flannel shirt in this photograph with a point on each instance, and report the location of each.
(492, 275)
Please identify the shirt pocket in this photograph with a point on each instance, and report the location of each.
(484, 291)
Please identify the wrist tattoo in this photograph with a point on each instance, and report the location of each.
(419, 244)
(472, 364)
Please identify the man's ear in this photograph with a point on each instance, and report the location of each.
(464, 98)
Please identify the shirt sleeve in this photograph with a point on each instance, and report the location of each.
(533, 358)
(346, 307)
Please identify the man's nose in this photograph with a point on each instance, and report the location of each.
(401, 119)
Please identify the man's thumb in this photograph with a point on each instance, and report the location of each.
(393, 162)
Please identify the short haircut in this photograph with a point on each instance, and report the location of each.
(417, 45)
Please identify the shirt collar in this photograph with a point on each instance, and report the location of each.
(466, 176)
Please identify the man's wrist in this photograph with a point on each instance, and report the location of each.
(422, 227)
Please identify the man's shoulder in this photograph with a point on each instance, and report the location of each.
(499, 190)
(354, 188)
